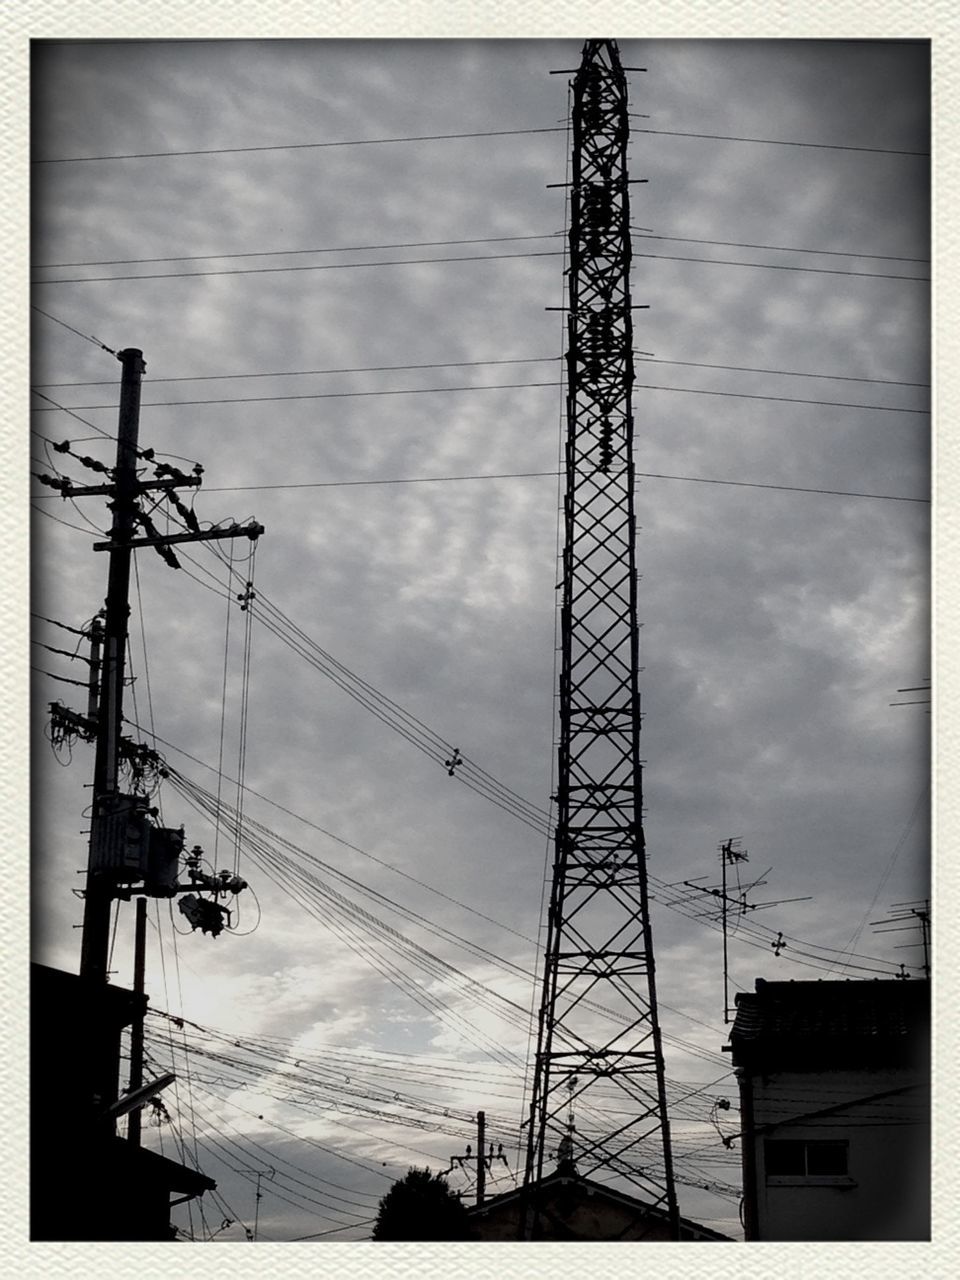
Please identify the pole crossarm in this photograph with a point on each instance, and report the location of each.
(70, 490)
(251, 531)
(598, 1023)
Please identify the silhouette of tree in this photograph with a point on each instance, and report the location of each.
(421, 1206)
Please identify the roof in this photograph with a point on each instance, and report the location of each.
(56, 993)
(557, 1180)
(150, 1166)
(880, 1020)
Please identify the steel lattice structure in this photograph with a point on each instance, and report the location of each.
(599, 1050)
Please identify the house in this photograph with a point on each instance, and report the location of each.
(86, 1183)
(835, 1109)
(569, 1207)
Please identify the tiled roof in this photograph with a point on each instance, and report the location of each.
(822, 1014)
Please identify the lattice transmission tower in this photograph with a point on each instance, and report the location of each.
(599, 1045)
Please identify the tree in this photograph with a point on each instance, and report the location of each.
(421, 1206)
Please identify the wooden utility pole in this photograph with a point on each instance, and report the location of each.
(134, 1123)
(483, 1159)
(120, 834)
(481, 1162)
(99, 895)
(128, 854)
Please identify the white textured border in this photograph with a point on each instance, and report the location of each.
(22, 21)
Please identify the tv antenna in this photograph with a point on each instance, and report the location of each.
(731, 855)
(908, 916)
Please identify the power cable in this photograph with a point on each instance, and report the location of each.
(322, 266)
(282, 253)
(440, 137)
(295, 146)
(725, 262)
(303, 373)
(321, 395)
(736, 368)
(464, 364)
(775, 142)
(496, 386)
(86, 336)
(483, 257)
(742, 395)
(532, 475)
(640, 234)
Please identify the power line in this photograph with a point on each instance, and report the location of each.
(63, 409)
(298, 146)
(777, 142)
(441, 137)
(303, 373)
(527, 475)
(743, 395)
(536, 475)
(737, 368)
(492, 257)
(86, 337)
(502, 796)
(279, 253)
(496, 386)
(431, 244)
(641, 234)
(464, 364)
(773, 266)
(321, 266)
(318, 395)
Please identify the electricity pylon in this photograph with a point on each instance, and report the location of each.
(599, 1042)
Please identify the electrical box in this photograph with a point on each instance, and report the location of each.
(121, 838)
(163, 861)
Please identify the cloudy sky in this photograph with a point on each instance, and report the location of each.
(294, 233)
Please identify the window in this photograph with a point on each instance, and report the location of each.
(805, 1158)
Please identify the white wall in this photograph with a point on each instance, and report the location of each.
(886, 1193)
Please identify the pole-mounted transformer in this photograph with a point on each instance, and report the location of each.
(599, 1044)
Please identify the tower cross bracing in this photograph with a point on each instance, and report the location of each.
(599, 1045)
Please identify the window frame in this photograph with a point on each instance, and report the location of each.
(806, 1178)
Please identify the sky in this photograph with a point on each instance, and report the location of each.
(321, 335)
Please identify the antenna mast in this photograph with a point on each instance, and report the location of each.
(599, 1033)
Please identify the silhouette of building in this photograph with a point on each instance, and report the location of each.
(835, 1109)
(569, 1207)
(86, 1183)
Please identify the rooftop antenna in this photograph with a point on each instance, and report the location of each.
(907, 917)
(732, 854)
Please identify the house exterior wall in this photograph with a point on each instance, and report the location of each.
(882, 1144)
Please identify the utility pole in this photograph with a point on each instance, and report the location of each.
(481, 1162)
(599, 1024)
(261, 1173)
(484, 1160)
(136, 1031)
(99, 891)
(126, 848)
